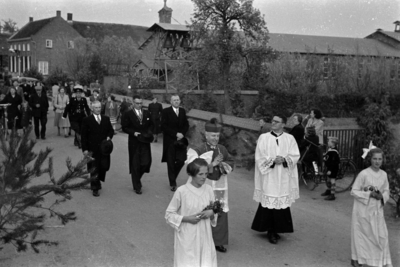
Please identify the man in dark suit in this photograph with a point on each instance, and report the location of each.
(175, 125)
(39, 105)
(95, 129)
(137, 123)
(155, 110)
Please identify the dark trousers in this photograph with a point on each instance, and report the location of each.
(43, 121)
(220, 232)
(101, 175)
(136, 175)
(173, 170)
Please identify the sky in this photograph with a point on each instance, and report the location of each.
(345, 18)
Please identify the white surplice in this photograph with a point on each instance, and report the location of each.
(276, 187)
(194, 245)
(369, 234)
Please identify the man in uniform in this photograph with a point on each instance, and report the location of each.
(77, 110)
(276, 180)
(221, 165)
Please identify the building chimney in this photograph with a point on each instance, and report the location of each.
(69, 18)
(396, 26)
(30, 19)
(165, 14)
(58, 13)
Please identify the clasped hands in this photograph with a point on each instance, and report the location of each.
(279, 160)
(218, 159)
(205, 214)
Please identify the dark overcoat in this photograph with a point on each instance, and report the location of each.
(42, 100)
(171, 125)
(139, 152)
(298, 133)
(155, 110)
(92, 134)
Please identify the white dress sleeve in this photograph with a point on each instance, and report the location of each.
(358, 189)
(171, 215)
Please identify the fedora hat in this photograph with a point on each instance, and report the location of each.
(106, 147)
(182, 143)
(145, 137)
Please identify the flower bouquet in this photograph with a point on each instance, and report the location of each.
(216, 206)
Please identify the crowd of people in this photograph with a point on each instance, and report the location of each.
(198, 210)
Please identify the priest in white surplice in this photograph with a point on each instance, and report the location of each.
(276, 180)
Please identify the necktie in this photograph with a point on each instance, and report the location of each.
(177, 112)
(140, 114)
(98, 119)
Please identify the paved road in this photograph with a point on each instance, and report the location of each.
(121, 228)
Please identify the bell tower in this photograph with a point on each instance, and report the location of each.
(165, 14)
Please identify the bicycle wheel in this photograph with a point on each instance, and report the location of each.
(308, 177)
(346, 176)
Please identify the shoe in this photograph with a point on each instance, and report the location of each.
(272, 238)
(221, 249)
(138, 191)
(66, 136)
(43, 138)
(277, 236)
(96, 193)
(330, 197)
(326, 193)
(173, 188)
(37, 138)
(355, 263)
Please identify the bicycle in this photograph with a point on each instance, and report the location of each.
(345, 178)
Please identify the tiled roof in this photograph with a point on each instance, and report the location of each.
(31, 28)
(169, 27)
(394, 35)
(338, 45)
(100, 30)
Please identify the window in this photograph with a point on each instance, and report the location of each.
(360, 67)
(23, 47)
(393, 70)
(49, 43)
(333, 67)
(326, 67)
(44, 67)
(28, 47)
(70, 44)
(19, 47)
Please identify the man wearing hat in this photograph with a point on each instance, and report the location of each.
(175, 125)
(137, 123)
(217, 178)
(40, 105)
(276, 180)
(97, 133)
(77, 110)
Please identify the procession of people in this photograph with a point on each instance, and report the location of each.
(198, 210)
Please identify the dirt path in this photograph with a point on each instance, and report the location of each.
(121, 228)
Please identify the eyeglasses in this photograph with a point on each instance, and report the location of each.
(138, 103)
(275, 121)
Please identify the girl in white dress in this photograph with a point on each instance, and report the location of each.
(369, 234)
(194, 245)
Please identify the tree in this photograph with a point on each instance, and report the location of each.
(23, 211)
(33, 73)
(227, 31)
(9, 26)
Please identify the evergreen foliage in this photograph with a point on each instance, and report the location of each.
(23, 212)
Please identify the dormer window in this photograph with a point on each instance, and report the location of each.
(70, 44)
(49, 43)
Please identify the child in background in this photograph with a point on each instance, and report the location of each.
(332, 162)
(369, 234)
(26, 116)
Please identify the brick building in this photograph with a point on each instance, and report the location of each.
(46, 43)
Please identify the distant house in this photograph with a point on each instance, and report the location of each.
(45, 43)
